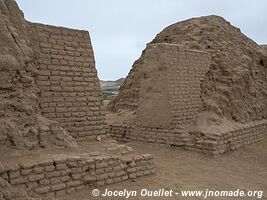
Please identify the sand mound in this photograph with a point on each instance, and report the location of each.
(21, 125)
(235, 85)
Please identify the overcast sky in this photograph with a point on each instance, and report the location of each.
(120, 29)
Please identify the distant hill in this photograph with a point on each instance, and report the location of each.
(111, 86)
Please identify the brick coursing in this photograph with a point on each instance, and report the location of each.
(184, 71)
(69, 88)
(64, 175)
(213, 142)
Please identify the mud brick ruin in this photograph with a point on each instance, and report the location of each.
(69, 87)
(192, 91)
(170, 92)
(65, 174)
(50, 99)
(200, 85)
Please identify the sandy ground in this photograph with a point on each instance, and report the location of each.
(178, 169)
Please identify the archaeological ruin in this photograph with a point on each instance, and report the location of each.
(190, 89)
(67, 79)
(200, 85)
(51, 100)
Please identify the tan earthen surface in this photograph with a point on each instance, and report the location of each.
(200, 84)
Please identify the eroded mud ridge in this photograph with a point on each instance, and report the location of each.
(200, 84)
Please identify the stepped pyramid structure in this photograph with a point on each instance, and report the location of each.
(200, 84)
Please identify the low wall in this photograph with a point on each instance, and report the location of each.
(212, 142)
(121, 132)
(65, 175)
(216, 142)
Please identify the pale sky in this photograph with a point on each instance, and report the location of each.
(120, 29)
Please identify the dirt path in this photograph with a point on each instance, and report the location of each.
(177, 169)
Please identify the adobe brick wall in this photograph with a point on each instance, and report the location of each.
(170, 85)
(181, 72)
(61, 175)
(69, 88)
(186, 70)
(216, 142)
(212, 142)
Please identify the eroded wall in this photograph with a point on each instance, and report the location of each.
(21, 124)
(213, 142)
(172, 79)
(60, 175)
(170, 86)
(186, 70)
(153, 104)
(67, 79)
